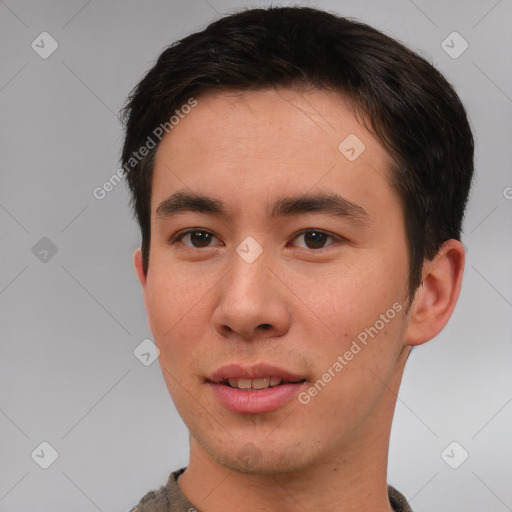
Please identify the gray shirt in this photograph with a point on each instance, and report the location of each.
(169, 498)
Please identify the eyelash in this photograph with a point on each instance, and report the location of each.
(335, 238)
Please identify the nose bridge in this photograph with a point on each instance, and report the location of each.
(250, 299)
(248, 282)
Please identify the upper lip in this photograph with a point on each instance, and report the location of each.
(262, 370)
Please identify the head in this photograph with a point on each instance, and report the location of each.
(251, 110)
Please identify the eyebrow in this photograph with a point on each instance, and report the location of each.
(326, 203)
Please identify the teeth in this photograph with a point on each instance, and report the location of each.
(274, 381)
(244, 383)
(260, 383)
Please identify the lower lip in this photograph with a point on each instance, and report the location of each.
(256, 401)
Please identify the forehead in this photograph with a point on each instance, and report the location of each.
(304, 117)
(247, 145)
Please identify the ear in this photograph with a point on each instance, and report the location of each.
(436, 297)
(139, 269)
(143, 279)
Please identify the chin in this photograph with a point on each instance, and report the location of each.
(258, 459)
(263, 467)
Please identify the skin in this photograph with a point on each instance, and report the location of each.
(295, 307)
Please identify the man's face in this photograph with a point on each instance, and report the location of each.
(328, 283)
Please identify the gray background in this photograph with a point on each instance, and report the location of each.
(71, 321)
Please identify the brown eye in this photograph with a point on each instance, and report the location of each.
(196, 238)
(314, 239)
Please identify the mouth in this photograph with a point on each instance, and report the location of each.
(254, 377)
(258, 383)
(254, 389)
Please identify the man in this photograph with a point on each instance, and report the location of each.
(300, 182)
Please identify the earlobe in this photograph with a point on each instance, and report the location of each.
(435, 300)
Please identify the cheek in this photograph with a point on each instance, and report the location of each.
(172, 297)
(364, 306)
(356, 294)
(356, 368)
(176, 308)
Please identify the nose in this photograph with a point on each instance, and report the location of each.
(252, 303)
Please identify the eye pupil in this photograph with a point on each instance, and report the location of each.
(202, 238)
(315, 238)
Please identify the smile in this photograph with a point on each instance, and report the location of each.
(255, 384)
